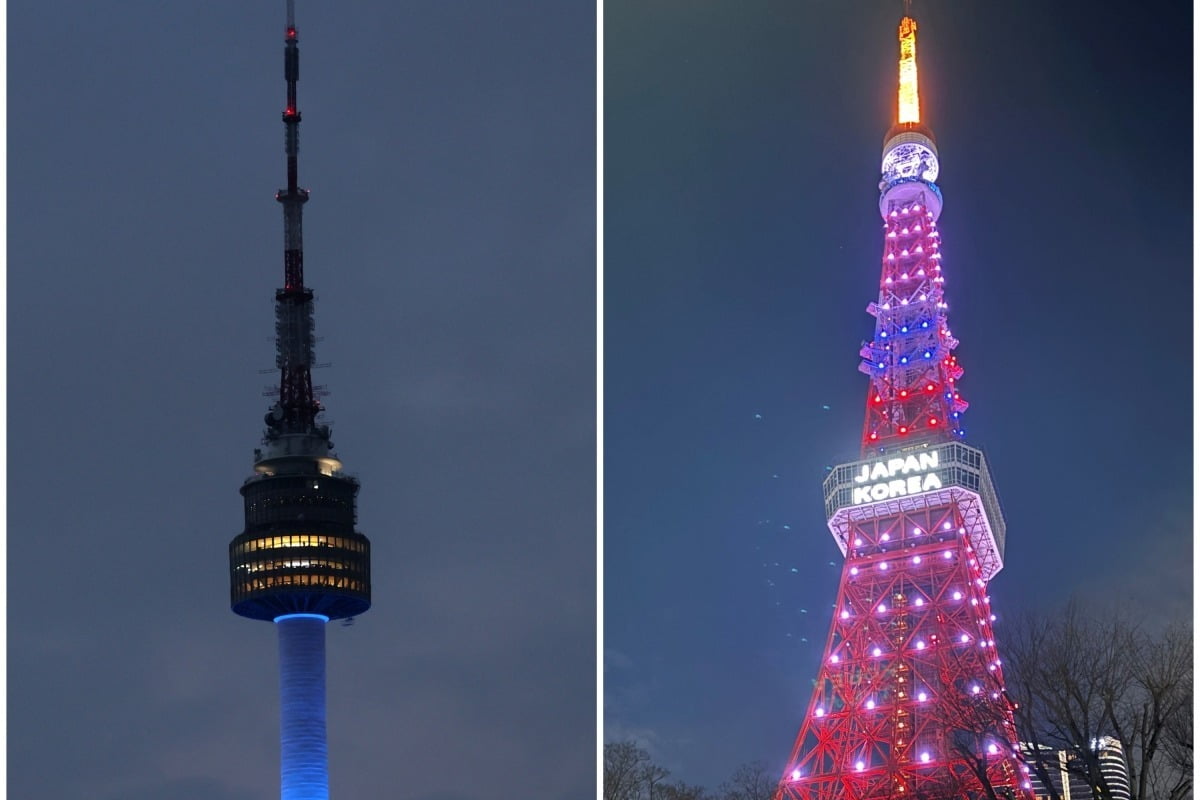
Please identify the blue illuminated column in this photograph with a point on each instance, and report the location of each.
(303, 761)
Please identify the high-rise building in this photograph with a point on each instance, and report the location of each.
(909, 698)
(1113, 767)
(1068, 776)
(299, 563)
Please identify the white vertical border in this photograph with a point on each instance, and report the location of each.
(1195, 306)
(599, 399)
(4, 366)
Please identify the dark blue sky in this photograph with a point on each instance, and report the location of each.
(450, 239)
(742, 243)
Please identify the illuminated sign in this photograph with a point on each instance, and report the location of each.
(897, 477)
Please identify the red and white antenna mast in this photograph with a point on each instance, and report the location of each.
(294, 414)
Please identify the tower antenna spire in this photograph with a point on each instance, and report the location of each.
(908, 107)
(296, 410)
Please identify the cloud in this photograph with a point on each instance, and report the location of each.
(615, 659)
(184, 789)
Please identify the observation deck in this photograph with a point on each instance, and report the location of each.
(922, 477)
(299, 552)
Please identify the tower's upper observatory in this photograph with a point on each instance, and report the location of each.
(909, 152)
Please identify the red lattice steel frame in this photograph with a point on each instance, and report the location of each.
(911, 589)
(913, 394)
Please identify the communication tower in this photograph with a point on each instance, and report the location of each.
(299, 563)
(909, 700)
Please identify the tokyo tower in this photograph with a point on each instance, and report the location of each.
(909, 701)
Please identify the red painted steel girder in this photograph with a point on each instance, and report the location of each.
(910, 687)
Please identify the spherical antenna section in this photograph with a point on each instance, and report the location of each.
(909, 170)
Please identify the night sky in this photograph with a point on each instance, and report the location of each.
(742, 244)
(450, 238)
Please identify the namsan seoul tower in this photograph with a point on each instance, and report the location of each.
(299, 562)
(909, 700)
